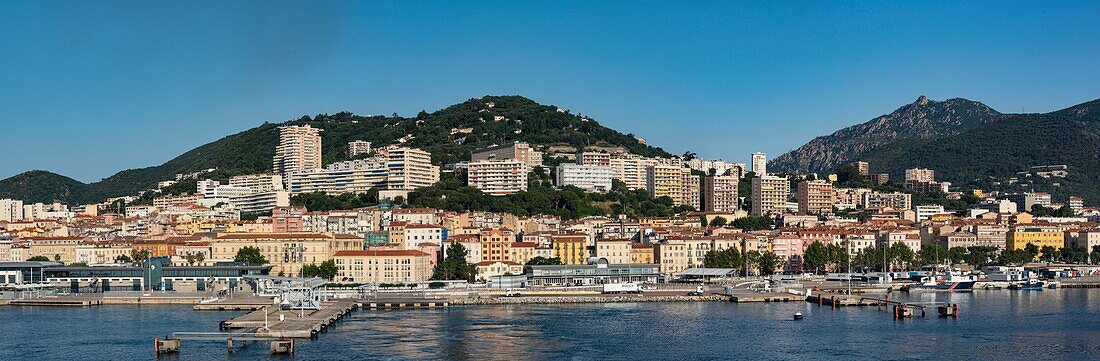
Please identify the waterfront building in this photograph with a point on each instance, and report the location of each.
(769, 195)
(815, 197)
(489, 269)
(571, 249)
(615, 251)
(382, 266)
(497, 177)
(519, 151)
(286, 252)
(60, 249)
(299, 150)
(591, 178)
(595, 273)
(720, 193)
(524, 251)
(1041, 236)
(671, 256)
(496, 244)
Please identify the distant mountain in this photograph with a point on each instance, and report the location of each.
(449, 134)
(968, 144)
(923, 119)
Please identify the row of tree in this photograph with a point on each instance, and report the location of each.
(765, 263)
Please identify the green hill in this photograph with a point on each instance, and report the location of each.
(983, 152)
(492, 119)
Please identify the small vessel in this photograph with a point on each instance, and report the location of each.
(946, 281)
(1028, 286)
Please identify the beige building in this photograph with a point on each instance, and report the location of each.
(720, 194)
(409, 169)
(258, 183)
(382, 266)
(769, 195)
(760, 164)
(924, 175)
(600, 159)
(631, 170)
(815, 197)
(62, 249)
(497, 177)
(641, 254)
(675, 182)
(518, 151)
(671, 256)
(357, 147)
(616, 251)
(286, 252)
(299, 149)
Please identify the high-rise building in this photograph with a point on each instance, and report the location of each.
(769, 195)
(760, 164)
(258, 183)
(591, 178)
(357, 147)
(518, 151)
(355, 176)
(720, 193)
(895, 200)
(863, 168)
(675, 182)
(497, 178)
(816, 197)
(920, 175)
(631, 170)
(299, 150)
(11, 210)
(410, 168)
(594, 158)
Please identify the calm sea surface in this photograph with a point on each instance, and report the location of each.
(994, 325)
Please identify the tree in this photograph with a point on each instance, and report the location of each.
(1095, 254)
(327, 270)
(718, 222)
(838, 255)
(932, 254)
(1048, 253)
(753, 223)
(769, 262)
(726, 258)
(543, 261)
(123, 259)
(310, 270)
(455, 267)
(250, 255)
(139, 255)
(815, 256)
(901, 255)
(957, 255)
(1015, 257)
(200, 257)
(38, 258)
(1032, 250)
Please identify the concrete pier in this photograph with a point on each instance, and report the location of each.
(272, 322)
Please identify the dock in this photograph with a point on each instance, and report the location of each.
(842, 300)
(235, 304)
(275, 323)
(58, 302)
(764, 297)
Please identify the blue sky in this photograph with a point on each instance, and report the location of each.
(91, 88)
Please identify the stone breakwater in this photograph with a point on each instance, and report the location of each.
(468, 301)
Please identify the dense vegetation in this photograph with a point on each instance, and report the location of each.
(510, 118)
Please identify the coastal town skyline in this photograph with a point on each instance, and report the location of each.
(765, 77)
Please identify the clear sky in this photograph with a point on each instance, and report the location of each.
(90, 88)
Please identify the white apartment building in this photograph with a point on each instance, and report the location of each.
(631, 170)
(720, 193)
(299, 150)
(925, 212)
(355, 176)
(260, 201)
(591, 178)
(518, 151)
(760, 164)
(11, 210)
(409, 169)
(357, 147)
(769, 195)
(498, 177)
(258, 183)
(920, 175)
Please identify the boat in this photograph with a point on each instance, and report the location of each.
(948, 282)
(1028, 286)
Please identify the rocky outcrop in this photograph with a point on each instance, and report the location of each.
(923, 119)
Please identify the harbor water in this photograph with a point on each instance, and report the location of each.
(993, 325)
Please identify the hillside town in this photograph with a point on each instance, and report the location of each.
(249, 225)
